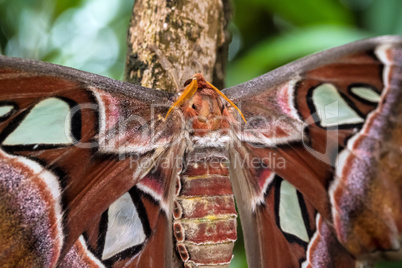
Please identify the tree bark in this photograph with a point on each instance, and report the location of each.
(171, 40)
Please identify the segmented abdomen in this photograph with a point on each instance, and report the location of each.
(204, 223)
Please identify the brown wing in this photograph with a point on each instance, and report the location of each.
(329, 125)
(73, 143)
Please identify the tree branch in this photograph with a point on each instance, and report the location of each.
(173, 40)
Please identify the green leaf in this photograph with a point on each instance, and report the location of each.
(287, 47)
(309, 12)
(384, 17)
(61, 6)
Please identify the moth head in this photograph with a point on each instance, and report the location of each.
(200, 102)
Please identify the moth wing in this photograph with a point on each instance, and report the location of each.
(329, 125)
(72, 143)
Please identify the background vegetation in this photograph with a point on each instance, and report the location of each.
(90, 35)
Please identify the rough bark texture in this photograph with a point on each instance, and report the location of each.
(169, 41)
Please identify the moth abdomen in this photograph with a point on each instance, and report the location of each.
(205, 223)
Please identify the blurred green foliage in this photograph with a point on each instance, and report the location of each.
(270, 33)
(90, 35)
(84, 34)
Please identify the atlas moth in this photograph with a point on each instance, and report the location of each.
(96, 172)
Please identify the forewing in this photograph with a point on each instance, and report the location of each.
(72, 143)
(329, 125)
